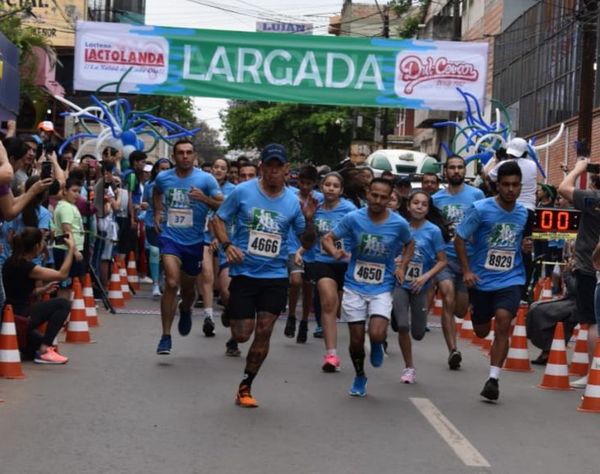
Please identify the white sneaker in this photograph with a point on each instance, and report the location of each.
(579, 383)
(156, 291)
(408, 375)
(146, 279)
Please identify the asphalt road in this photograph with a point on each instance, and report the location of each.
(117, 407)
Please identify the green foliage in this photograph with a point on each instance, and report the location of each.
(177, 109)
(207, 143)
(409, 19)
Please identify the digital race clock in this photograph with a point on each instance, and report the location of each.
(553, 223)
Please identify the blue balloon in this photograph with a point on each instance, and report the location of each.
(129, 138)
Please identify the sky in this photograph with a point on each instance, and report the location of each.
(239, 15)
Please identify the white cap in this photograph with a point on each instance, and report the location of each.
(148, 168)
(517, 147)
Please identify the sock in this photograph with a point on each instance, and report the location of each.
(358, 361)
(208, 313)
(154, 262)
(332, 352)
(495, 372)
(247, 379)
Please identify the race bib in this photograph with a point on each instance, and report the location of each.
(264, 244)
(414, 271)
(499, 260)
(180, 218)
(369, 273)
(339, 245)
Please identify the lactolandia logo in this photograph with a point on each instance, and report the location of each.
(503, 235)
(372, 245)
(265, 221)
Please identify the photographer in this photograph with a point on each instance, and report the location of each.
(588, 202)
(20, 275)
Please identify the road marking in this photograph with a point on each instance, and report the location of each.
(449, 433)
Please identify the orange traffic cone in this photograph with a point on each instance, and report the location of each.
(132, 276)
(124, 283)
(466, 329)
(580, 362)
(10, 359)
(591, 398)
(78, 331)
(575, 334)
(517, 359)
(437, 305)
(546, 294)
(115, 295)
(537, 290)
(556, 375)
(489, 339)
(90, 303)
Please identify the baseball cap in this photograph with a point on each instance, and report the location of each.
(46, 126)
(517, 147)
(274, 151)
(403, 181)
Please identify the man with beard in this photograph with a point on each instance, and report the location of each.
(454, 202)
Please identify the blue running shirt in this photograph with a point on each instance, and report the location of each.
(185, 218)
(226, 191)
(293, 242)
(428, 242)
(497, 236)
(262, 224)
(454, 208)
(325, 220)
(374, 248)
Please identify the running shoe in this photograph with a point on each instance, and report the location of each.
(318, 332)
(185, 321)
(490, 389)
(232, 349)
(244, 398)
(454, 359)
(408, 375)
(164, 345)
(50, 357)
(146, 279)
(377, 354)
(156, 291)
(290, 327)
(302, 332)
(331, 363)
(208, 327)
(359, 387)
(579, 383)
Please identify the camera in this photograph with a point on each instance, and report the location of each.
(59, 240)
(46, 170)
(593, 168)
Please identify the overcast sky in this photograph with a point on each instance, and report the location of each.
(239, 15)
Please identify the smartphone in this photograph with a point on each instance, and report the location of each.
(59, 240)
(46, 170)
(593, 168)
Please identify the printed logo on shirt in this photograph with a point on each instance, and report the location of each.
(454, 214)
(372, 245)
(178, 198)
(323, 226)
(265, 221)
(503, 235)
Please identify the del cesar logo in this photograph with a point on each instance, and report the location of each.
(414, 70)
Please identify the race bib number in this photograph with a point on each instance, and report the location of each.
(414, 271)
(339, 245)
(499, 260)
(369, 273)
(180, 218)
(264, 244)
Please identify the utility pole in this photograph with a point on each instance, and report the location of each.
(588, 17)
(386, 34)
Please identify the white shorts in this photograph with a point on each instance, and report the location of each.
(357, 307)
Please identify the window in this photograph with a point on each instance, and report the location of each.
(380, 162)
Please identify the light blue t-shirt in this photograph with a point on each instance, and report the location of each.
(325, 221)
(185, 218)
(262, 224)
(374, 247)
(454, 208)
(226, 191)
(147, 197)
(428, 242)
(497, 236)
(294, 243)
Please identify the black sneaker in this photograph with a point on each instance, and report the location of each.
(490, 389)
(185, 321)
(302, 332)
(290, 327)
(454, 360)
(232, 349)
(208, 327)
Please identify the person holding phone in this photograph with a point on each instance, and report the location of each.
(20, 275)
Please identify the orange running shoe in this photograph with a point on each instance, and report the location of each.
(245, 399)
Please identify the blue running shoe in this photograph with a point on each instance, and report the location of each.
(377, 353)
(164, 345)
(185, 321)
(359, 387)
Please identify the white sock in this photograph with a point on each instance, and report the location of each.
(495, 372)
(208, 313)
(332, 352)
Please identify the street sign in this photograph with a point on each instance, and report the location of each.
(282, 27)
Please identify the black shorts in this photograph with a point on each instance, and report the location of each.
(335, 271)
(249, 296)
(584, 299)
(485, 303)
(308, 275)
(127, 236)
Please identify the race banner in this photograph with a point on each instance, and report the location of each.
(366, 72)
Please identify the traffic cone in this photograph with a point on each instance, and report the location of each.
(556, 375)
(591, 398)
(466, 329)
(517, 359)
(489, 339)
(437, 305)
(90, 303)
(78, 331)
(10, 358)
(458, 323)
(115, 295)
(124, 283)
(537, 290)
(546, 294)
(580, 362)
(575, 334)
(132, 275)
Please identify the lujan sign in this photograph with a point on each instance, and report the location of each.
(280, 67)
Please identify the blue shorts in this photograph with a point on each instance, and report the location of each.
(452, 272)
(190, 256)
(485, 303)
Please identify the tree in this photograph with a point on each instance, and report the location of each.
(178, 109)
(207, 143)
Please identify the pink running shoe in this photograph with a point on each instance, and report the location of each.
(50, 357)
(331, 363)
(408, 375)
